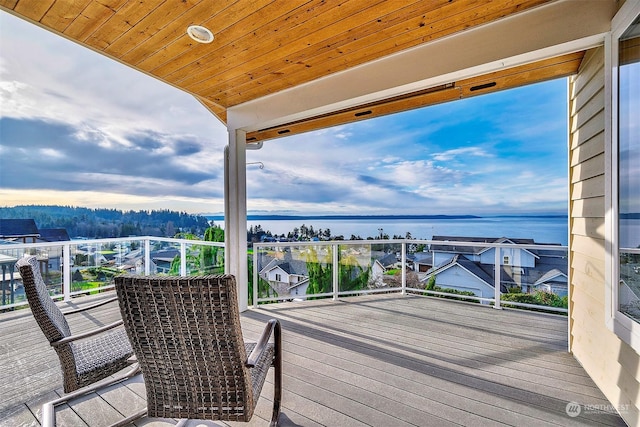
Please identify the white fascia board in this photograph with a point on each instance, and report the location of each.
(558, 28)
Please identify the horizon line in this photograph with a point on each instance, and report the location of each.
(408, 216)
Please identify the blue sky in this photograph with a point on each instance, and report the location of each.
(79, 129)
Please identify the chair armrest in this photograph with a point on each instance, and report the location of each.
(273, 327)
(89, 307)
(86, 334)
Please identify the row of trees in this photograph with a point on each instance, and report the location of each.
(107, 223)
(305, 233)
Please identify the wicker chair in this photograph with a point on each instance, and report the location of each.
(88, 360)
(84, 358)
(186, 335)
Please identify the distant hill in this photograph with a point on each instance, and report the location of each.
(103, 223)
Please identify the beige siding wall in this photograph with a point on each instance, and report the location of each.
(612, 364)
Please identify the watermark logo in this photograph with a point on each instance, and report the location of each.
(573, 409)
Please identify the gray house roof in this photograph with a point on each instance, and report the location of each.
(552, 274)
(450, 245)
(386, 259)
(54, 235)
(18, 228)
(460, 261)
(294, 267)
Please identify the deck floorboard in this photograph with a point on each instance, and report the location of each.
(361, 361)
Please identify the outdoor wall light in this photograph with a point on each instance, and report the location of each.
(200, 34)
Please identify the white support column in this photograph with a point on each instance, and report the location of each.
(235, 213)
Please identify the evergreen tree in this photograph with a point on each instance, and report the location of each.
(209, 254)
(320, 277)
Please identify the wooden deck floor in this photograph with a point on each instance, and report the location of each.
(386, 360)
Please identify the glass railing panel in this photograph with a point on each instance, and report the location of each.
(293, 272)
(94, 264)
(200, 257)
(536, 280)
(164, 256)
(12, 291)
(317, 260)
(369, 267)
(204, 258)
(529, 276)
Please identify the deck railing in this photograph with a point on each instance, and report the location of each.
(503, 274)
(285, 271)
(80, 267)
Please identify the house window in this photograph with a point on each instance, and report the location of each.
(623, 176)
(505, 260)
(628, 171)
(278, 277)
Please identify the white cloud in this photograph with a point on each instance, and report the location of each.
(50, 152)
(452, 154)
(390, 165)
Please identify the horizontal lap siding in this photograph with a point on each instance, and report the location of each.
(612, 364)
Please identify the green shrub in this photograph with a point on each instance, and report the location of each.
(539, 298)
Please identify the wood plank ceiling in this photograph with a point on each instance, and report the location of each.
(265, 46)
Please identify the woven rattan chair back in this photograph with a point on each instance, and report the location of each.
(84, 358)
(185, 332)
(47, 314)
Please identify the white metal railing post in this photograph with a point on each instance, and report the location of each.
(255, 276)
(335, 269)
(147, 256)
(496, 279)
(183, 259)
(403, 261)
(66, 271)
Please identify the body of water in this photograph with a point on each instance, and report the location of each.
(541, 229)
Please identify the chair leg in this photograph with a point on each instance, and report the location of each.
(277, 381)
(49, 408)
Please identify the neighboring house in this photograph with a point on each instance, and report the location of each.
(9, 278)
(161, 260)
(53, 235)
(54, 253)
(554, 281)
(287, 277)
(422, 262)
(482, 254)
(24, 230)
(132, 261)
(377, 275)
(471, 268)
(462, 274)
(387, 260)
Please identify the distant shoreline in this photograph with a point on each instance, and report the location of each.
(376, 217)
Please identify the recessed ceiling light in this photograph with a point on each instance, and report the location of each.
(200, 34)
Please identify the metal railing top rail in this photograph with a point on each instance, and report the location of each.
(635, 251)
(548, 247)
(12, 246)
